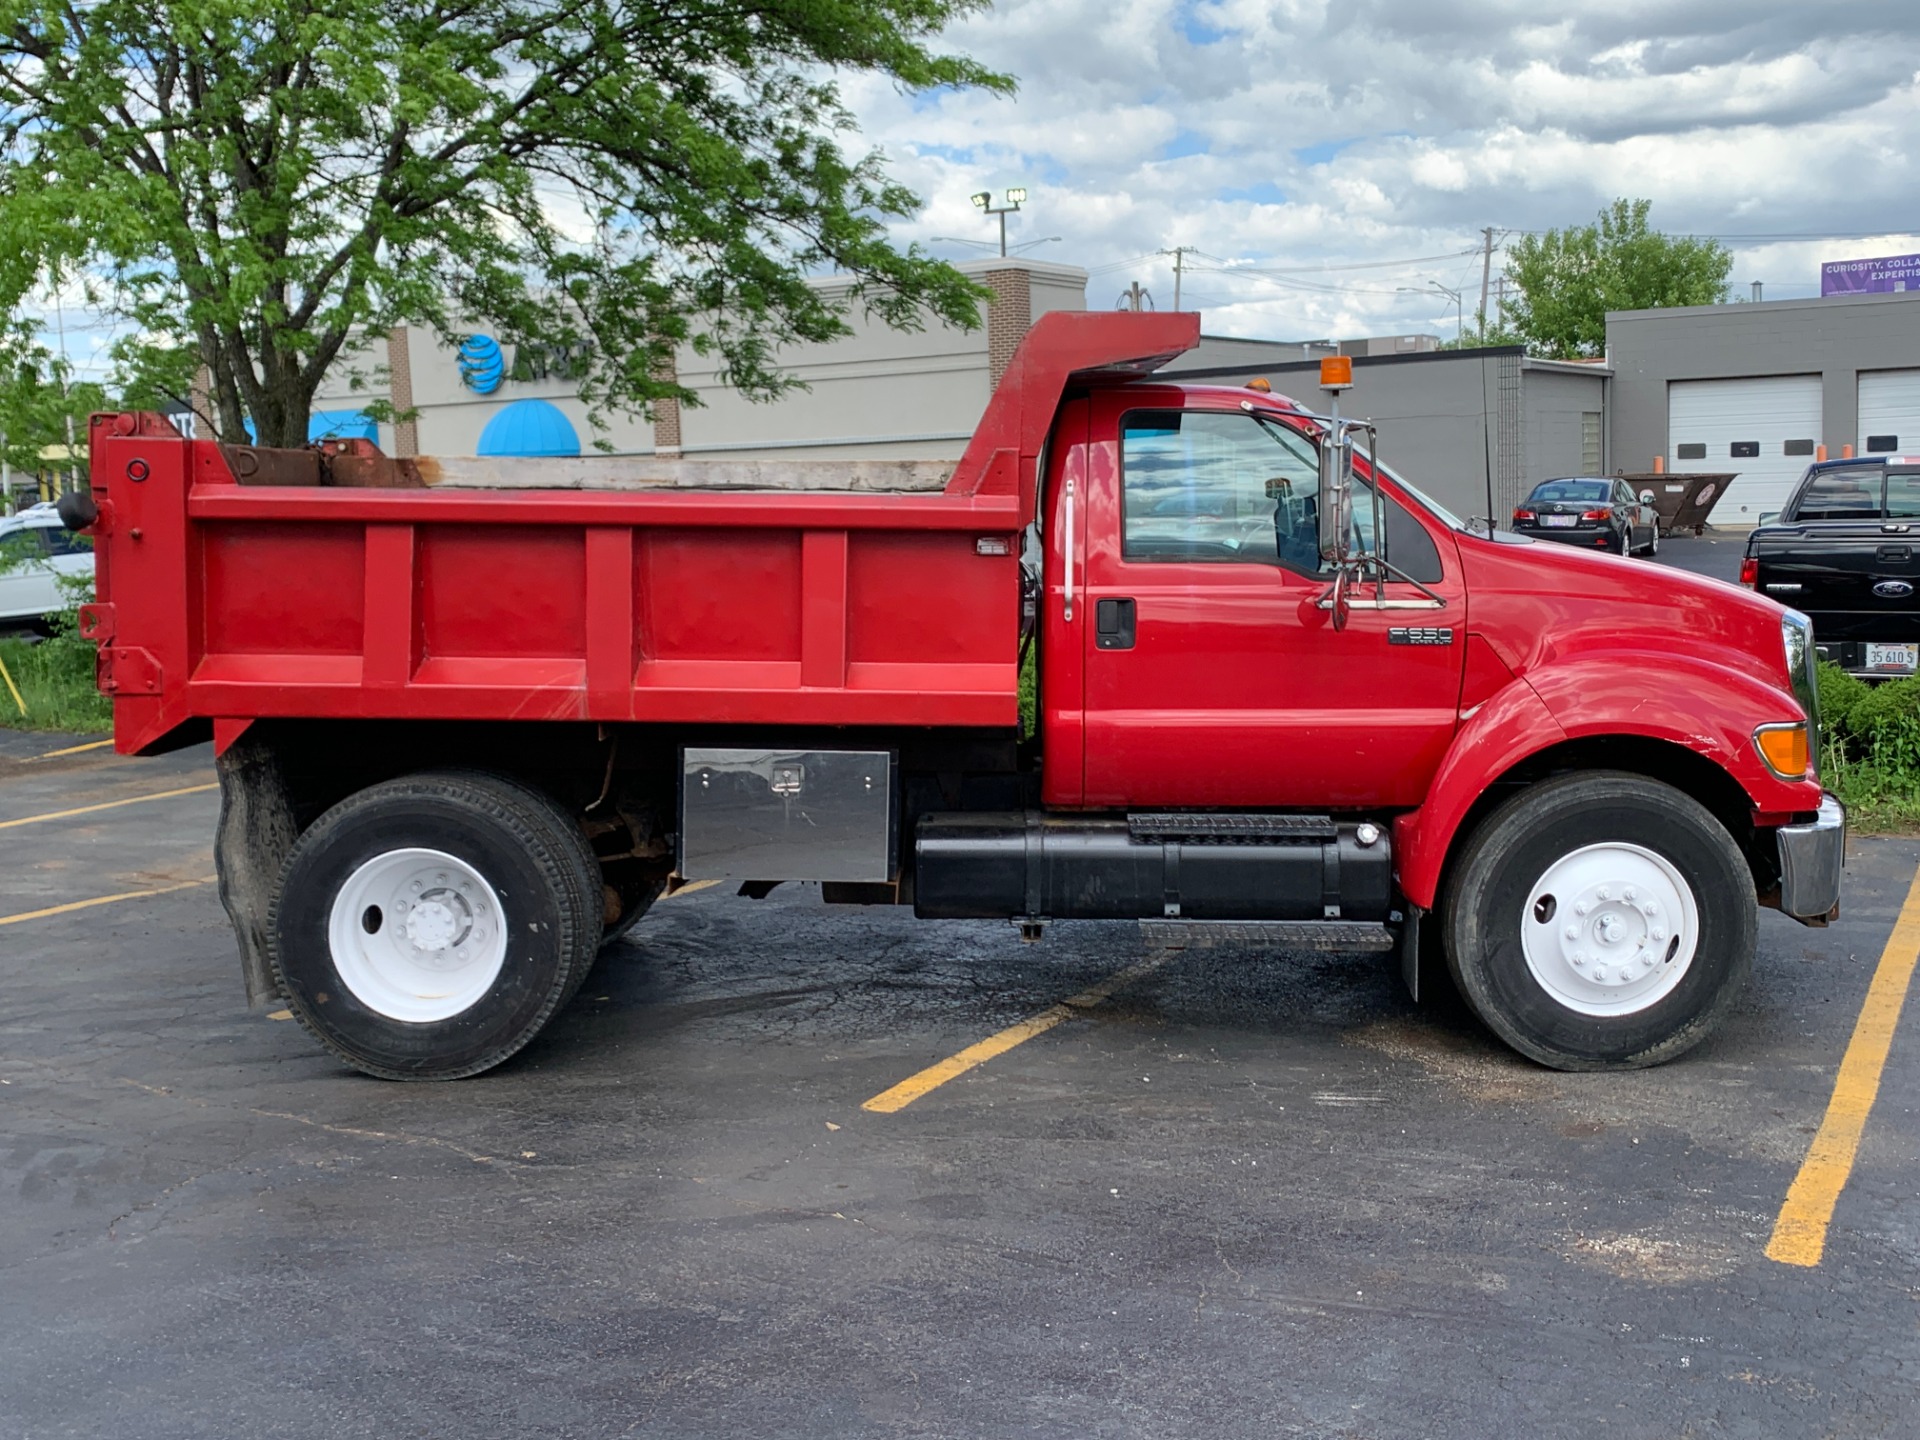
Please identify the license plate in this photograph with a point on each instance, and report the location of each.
(1893, 657)
(1560, 520)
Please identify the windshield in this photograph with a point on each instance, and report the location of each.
(1582, 491)
(1414, 492)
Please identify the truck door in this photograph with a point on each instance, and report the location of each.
(1213, 676)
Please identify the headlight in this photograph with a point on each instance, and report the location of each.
(1796, 637)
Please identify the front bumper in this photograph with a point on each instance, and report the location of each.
(1810, 861)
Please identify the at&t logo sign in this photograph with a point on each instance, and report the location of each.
(481, 364)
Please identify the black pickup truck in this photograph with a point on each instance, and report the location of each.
(1846, 553)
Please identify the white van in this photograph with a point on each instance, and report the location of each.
(35, 551)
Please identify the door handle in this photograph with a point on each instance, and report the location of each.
(1896, 552)
(1113, 624)
(1066, 551)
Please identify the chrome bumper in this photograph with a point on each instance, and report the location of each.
(1810, 861)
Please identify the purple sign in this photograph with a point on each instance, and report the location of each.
(1870, 277)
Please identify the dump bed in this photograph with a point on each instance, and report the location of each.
(239, 583)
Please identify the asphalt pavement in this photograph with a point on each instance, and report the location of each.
(1227, 1194)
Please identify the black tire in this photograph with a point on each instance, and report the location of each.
(526, 851)
(1492, 884)
(1653, 542)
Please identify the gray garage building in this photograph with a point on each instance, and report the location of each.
(1761, 388)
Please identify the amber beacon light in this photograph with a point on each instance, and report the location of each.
(1336, 372)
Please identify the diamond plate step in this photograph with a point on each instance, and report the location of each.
(1342, 935)
(1233, 829)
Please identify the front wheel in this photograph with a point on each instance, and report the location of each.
(1601, 921)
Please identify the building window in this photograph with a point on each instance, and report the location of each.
(1692, 452)
(1882, 444)
(1745, 449)
(1590, 457)
(1797, 447)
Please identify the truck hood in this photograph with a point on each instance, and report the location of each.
(1536, 604)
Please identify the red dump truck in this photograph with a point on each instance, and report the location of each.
(473, 716)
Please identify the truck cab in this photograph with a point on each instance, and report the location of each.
(471, 723)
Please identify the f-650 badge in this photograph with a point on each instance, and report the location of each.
(1420, 635)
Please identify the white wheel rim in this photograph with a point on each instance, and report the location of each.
(417, 935)
(1610, 929)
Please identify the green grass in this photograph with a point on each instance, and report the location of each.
(55, 679)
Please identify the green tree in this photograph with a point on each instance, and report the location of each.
(262, 181)
(1567, 280)
(41, 404)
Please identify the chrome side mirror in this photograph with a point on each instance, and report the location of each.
(1336, 497)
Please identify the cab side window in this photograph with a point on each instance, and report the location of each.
(1903, 495)
(1200, 485)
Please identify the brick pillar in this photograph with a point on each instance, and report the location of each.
(666, 415)
(406, 432)
(1009, 317)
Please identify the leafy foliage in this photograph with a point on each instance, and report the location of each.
(256, 183)
(1569, 279)
(1870, 748)
(38, 397)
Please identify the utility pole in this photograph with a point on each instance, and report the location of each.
(1135, 298)
(1179, 254)
(1486, 277)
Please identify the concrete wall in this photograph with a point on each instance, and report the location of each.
(1558, 400)
(1835, 336)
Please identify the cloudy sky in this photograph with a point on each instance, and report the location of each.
(1360, 147)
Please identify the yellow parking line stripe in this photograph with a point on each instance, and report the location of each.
(934, 1076)
(74, 749)
(106, 805)
(1800, 1234)
(73, 905)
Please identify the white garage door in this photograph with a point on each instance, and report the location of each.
(1890, 412)
(1762, 429)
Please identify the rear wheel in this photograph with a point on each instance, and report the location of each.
(1653, 541)
(1601, 921)
(429, 927)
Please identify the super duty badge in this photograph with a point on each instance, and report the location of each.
(1420, 635)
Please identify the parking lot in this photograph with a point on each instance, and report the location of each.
(1245, 1194)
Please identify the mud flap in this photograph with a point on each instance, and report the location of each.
(257, 830)
(1410, 950)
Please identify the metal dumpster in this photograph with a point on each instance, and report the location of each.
(1683, 501)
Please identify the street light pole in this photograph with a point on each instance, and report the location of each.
(983, 202)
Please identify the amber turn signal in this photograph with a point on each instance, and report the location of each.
(1784, 748)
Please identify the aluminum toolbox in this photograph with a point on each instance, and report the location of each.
(789, 815)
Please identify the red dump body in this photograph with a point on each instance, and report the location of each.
(233, 601)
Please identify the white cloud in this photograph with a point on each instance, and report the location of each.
(1301, 132)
